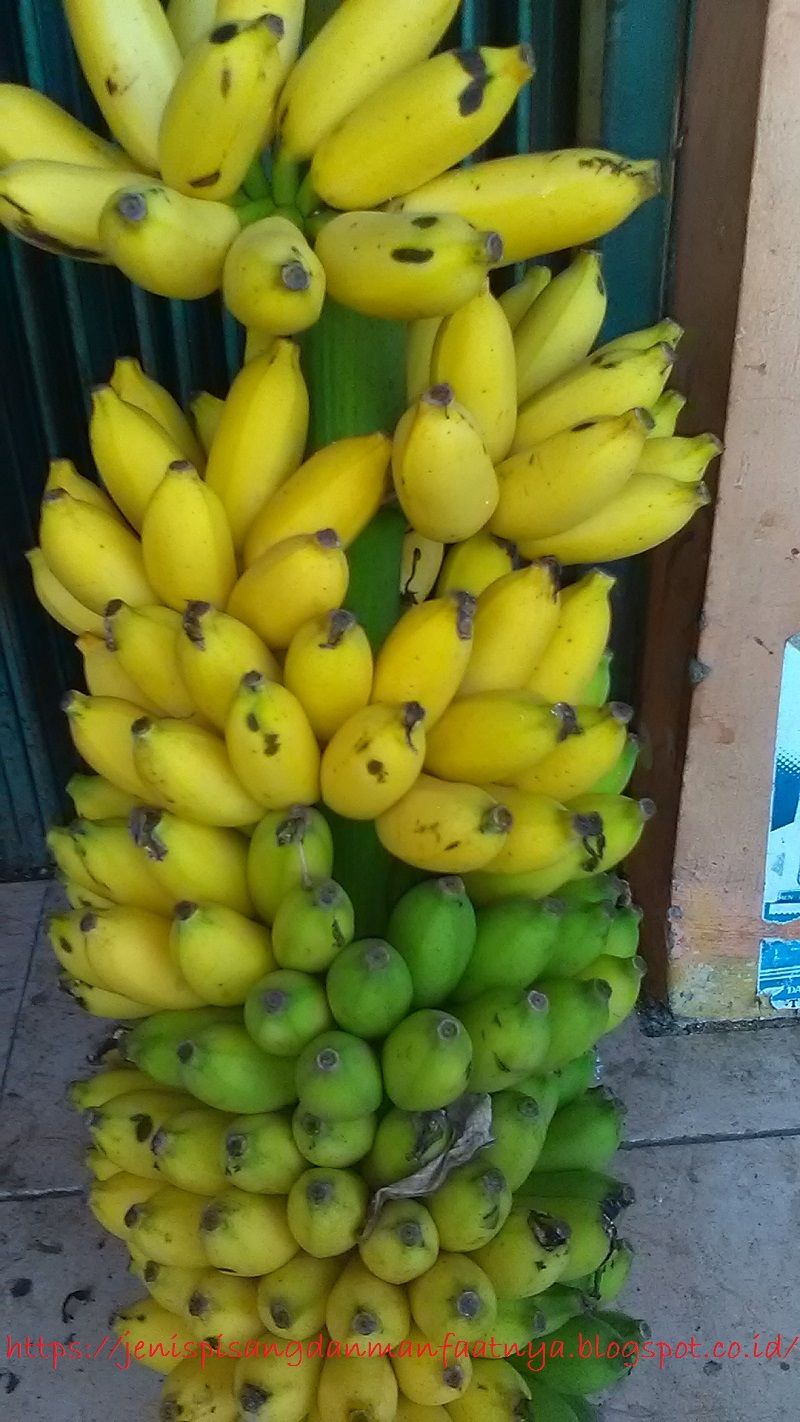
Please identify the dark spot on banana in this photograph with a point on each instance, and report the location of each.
(223, 33)
(452, 845)
(251, 721)
(207, 181)
(413, 256)
(252, 1398)
(472, 62)
(112, 87)
(143, 1127)
(378, 769)
(12, 202)
(471, 98)
(64, 945)
(424, 222)
(33, 234)
(225, 81)
(272, 743)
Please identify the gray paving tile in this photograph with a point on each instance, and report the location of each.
(716, 1227)
(20, 912)
(49, 1249)
(41, 1137)
(705, 1083)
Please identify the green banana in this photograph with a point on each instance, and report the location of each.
(624, 979)
(187, 1149)
(153, 1043)
(575, 1077)
(288, 848)
(338, 1077)
(528, 1255)
(519, 1127)
(510, 1035)
(514, 943)
(583, 1135)
(434, 928)
(426, 1061)
(611, 1195)
(333, 1143)
(405, 1141)
(313, 922)
(259, 1153)
(578, 1017)
(222, 1066)
(369, 988)
(285, 1011)
(582, 938)
(471, 1207)
(403, 1242)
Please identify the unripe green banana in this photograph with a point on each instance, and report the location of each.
(550, 1406)
(607, 1282)
(289, 848)
(520, 1320)
(528, 1255)
(313, 922)
(433, 926)
(624, 978)
(582, 938)
(292, 1299)
(187, 1149)
(623, 935)
(583, 1135)
(246, 1234)
(426, 1061)
(335, 1144)
(543, 1090)
(403, 1242)
(259, 1153)
(513, 946)
(360, 1305)
(519, 1127)
(578, 1017)
(338, 1077)
(222, 1066)
(456, 1295)
(581, 1364)
(153, 1043)
(472, 1206)
(612, 1196)
(575, 1077)
(369, 988)
(405, 1142)
(510, 1035)
(590, 1233)
(326, 1210)
(285, 1011)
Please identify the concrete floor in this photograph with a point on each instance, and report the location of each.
(713, 1150)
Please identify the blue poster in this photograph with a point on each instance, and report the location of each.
(779, 958)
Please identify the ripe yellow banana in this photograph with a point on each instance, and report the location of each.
(273, 282)
(97, 799)
(420, 564)
(515, 619)
(665, 413)
(99, 1002)
(206, 411)
(561, 327)
(474, 354)
(623, 820)
(202, 1390)
(476, 563)
(223, 979)
(292, 582)
(214, 653)
(131, 449)
(328, 667)
(679, 458)
(69, 946)
(186, 540)
(271, 745)
(426, 655)
(58, 601)
(139, 389)
(32, 126)
(158, 1336)
(518, 299)
(648, 511)
(192, 861)
(129, 949)
(373, 759)
(100, 727)
(261, 435)
(168, 243)
(186, 769)
(419, 354)
(443, 475)
(62, 474)
(667, 330)
(542, 202)
(358, 50)
(94, 555)
(221, 109)
(496, 736)
(560, 482)
(257, 343)
(405, 266)
(600, 387)
(105, 675)
(190, 20)
(113, 863)
(145, 640)
(543, 830)
(445, 828)
(579, 639)
(63, 848)
(57, 206)
(291, 12)
(576, 765)
(342, 486)
(417, 125)
(131, 61)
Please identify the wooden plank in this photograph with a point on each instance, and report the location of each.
(713, 183)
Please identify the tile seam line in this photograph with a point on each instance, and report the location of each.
(66, 1192)
(28, 971)
(714, 1138)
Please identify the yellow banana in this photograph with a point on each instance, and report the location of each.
(220, 111)
(648, 511)
(273, 282)
(419, 354)
(200, 1390)
(443, 475)
(223, 979)
(157, 1336)
(292, 582)
(131, 61)
(69, 945)
(186, 540)
(271, 745)
(168, 243)
(667, 330)
(129, 950)
(496, 736)
(518, 299)
(135, 387)
(329, 669)
(600, 387)
(62, 474)
(496, 1393)
(575, 766)
(80, 898)
(131, 449)
(192, 861)
(542, 832)
(63, 847)
(665, 413)
(561, 327)
(542, 202)
(420, 565)
(113, 863)
(563, 480)
(357, 1385)
(578, 641)
(123, 1127)
(417, 125)
(476, 563)
(373, 759)
(56, 600)
(623, 820)
(145, 640)
(357, 51)
(190, 20)
(99, 1002)
(515, 619)
(110, 1200)
(474, 355)
(426, 654)
(94, 555)
(257, 343)
(679, 458)
(444, 828)
(32, 126)
(214, 652)
(57, 206)
(261, 435)
(206, 411)
(291, 12)
(100, 727)
(187, 769)
(105, 674)
(265, 1387)
(97, 799)
(405, 267)
(342, 486)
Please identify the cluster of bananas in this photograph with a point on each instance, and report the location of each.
(198, 97)
(313, 1167)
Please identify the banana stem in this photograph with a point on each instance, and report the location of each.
(256, 185)
(307, 199)
(251, 212)
(285, 179)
